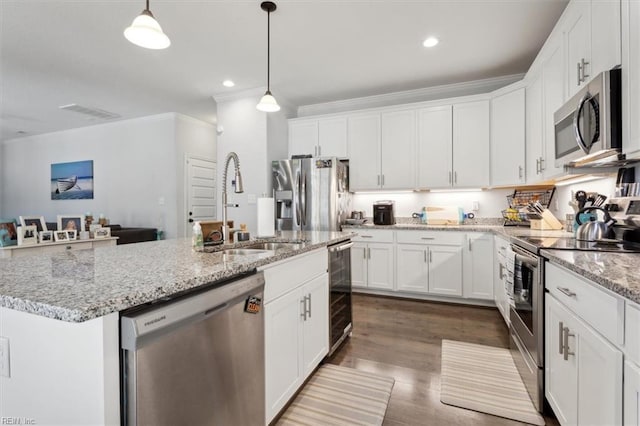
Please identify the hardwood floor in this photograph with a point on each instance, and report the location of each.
(402, 338)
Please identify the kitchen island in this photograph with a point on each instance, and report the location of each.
(59, 317)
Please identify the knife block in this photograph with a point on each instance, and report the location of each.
(548, 222)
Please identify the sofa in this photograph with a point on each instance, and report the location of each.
(125, 235)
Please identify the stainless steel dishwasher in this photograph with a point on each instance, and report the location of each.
(196, 360)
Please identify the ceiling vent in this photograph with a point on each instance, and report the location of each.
(91, 112)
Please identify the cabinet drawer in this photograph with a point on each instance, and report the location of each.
(599, 308)
(448, 238)
(373, 236)
(632, 332)
(288, 274)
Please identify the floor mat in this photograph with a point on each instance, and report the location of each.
(338, 395)
(485, 379)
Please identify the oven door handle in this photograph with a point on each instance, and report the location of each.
(532, 262)
(340, 247)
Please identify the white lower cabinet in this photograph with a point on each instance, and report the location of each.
(296, 326)
(583, 370)
(429, 262)
(372, 260)
(478, 266)
(631, 394)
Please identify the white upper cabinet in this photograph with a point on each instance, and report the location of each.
(364, 152)
(592, 40)
(578, 45)
(471, 144)
(508, 138)
(326, 137)
(332, 137)
(553, 99)
(435, 147)
(631, 77)
(303, 137)
(534, 145)
(398, 170)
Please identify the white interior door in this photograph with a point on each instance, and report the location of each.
(201, 191)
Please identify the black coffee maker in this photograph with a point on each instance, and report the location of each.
(384, 213)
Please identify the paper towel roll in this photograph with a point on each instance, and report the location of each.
(266, 219)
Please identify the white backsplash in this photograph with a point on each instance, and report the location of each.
(491, 202)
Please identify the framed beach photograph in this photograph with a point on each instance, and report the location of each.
(61, 235)
(72, 181)
(102, 233)
(71, 222)
(46, 237)
(27, 235)
(8, 233)
(37, 221)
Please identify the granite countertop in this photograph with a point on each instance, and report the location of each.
(617, 272)
(80, 285)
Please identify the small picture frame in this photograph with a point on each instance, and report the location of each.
(8, 233)
(61, 236)
(102, 233)
(37, 221)
(72, 235)
(92, 229)
(27, 235)
(71, 222)
(46, 237)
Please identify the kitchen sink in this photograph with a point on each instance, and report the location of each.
(274, 246)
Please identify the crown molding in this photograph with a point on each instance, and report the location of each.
(419, 95)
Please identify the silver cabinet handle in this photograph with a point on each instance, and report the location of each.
(425, 256)
(427, 238)
(369, 253)
(430, 256)
(520, 172)
(309, 298)
(455, 177)
(469, 243)
(382, 180)
(500, 271)
(341, 247)
(542, 167)
(566, 291)
(364, 252)
(378, 180)
(366, 236)
(566, 343)
(303, 302)
(68, 248)
(319, 150)
(579, 73)
(537, 166)
(584, 70)
(450, 178)
(560, 340)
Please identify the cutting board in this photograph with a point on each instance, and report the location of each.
(437, 215)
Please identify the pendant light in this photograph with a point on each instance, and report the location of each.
(146, 32)
(268, 103)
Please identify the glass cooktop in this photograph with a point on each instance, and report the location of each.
(568, 243)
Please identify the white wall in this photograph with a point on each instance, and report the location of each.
(136, 164)
(249, 133)
(196, 138)
(605, 186)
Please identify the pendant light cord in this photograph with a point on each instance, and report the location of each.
(268, 50)
(147, 5)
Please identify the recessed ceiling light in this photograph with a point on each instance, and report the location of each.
(430, 42)
(228, 83)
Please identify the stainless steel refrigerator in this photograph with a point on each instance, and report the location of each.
(311, 194)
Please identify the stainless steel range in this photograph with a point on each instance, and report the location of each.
(527, 309)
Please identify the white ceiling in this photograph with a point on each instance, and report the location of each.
(58, 52)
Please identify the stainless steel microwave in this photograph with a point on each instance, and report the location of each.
(589, 125)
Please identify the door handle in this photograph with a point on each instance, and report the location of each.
(579, 73)
(455, 178)
(364, 252)
(520, 172)
(584, 69)
(450, 178)
(542, 167)
(560, 339)
(382, 180)
(430, 256)
(566, 343)
(309, 298)
(369, 250)
(378, 180)
(303, 302)
(469, 243)
(425, 256)
(566, 291)
(537, 166)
